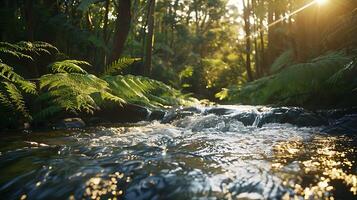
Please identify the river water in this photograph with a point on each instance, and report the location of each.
(193, 155)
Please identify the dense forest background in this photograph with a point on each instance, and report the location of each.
(289, 52)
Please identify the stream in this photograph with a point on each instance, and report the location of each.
(223, 152)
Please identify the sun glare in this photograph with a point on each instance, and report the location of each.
(321, 2)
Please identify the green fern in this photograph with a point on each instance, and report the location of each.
(284, 60)
(74, 92)
(16, 98)
(44, 46)
(345, 80)
(30, 47)
(147, 92)
(7, 74)
(119, 65)
(12, 87)
(295, 85)
(68, 66)
(26, 50)
(12, 50)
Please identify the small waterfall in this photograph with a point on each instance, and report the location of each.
(149, 112)
(257, 119)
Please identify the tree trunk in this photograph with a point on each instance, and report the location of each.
(256, 48)
(105, 30)
(122, 28)
(149, 38)
(246, 15)
(28, 12)
(261, 30)
(105, 26)
(262, 50)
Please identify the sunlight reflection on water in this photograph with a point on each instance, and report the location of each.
(199, 156)
(320, 159)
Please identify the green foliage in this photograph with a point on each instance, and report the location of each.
(186, 73)
(7, 74)
(30, 58)
(69, 66)
(25, 50)
(119, 65)
(213, 69)
(71, 89)
(73, 92)
(14, 89)
(345, 80)
(147, 92)
(299, 84)
(222, 94)
(12, 102)
(12, 50)
(37, 47)
(284, 60)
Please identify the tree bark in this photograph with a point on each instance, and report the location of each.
(105, 26)
(256, 48)
(246, 15)
(122, 28)
(271, 32)
(105, 30)
(28, 12)
(262, 49)
(149, 38)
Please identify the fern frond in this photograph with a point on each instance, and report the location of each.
(7, 73)
(16, 98)
(284, 60)
(37, 47)
(27, 86)
(119, 65)
(75, 92)
(294, 85)
(69, 66)
(26, 50)
(5, 102)
(11, 87)
(46, 46)
(7, 49)
(146, 92)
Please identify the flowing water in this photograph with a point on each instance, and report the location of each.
(194, 155)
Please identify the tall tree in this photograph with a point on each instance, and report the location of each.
(28, 13)
(149, 38)
(122, 28)
(247, 29)
(105, 27)
(271, 32)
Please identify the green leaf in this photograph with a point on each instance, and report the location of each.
(68, 66)
(119, 65)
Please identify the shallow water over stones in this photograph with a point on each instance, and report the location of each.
(225, 152)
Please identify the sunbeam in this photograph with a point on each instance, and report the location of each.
(319, 2)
